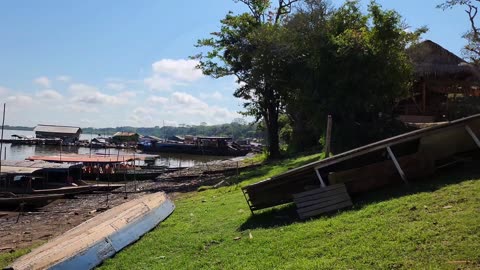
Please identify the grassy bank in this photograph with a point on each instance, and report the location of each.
(434, 224)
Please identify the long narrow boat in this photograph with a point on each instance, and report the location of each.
(93, 241)
(28, 201)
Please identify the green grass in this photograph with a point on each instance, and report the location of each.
(8, 257)
(434, 224)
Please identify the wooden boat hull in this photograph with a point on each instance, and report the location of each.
(28, 201)
(97, 239)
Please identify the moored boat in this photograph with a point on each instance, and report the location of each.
(12, 201)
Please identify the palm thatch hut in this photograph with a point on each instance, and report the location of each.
(439, 75)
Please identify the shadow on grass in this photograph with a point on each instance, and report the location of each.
(441, 178)
(270, 218)
(287, 215)
(267, 168)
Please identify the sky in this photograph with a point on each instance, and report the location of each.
(113, 63)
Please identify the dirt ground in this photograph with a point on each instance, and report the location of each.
(25, 229)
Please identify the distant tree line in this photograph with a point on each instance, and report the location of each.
(297, 61)
(234, 129)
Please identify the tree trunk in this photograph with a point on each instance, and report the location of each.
(272, 131)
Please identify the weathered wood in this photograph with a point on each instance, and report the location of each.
(328, 137)
(322, 200)
(318, 191)
(326, 210)
(322, 183)
(472, 134)
(397, 165)
(332, 202)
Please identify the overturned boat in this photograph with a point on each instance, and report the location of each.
(325, 185)
(99, 238)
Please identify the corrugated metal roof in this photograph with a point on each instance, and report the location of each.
(18, 170)
(39, 164)
(57, 129)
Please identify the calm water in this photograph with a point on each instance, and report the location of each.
(20, 152)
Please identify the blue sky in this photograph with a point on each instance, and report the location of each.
(112, 63)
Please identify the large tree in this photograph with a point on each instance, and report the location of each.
(249, 47)
(472, 49)
(352, 65)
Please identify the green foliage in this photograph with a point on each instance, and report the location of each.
(460, 107)
(249, 46)
(355, 68)
(237, 129)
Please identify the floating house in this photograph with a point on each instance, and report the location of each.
(439, 76)
(44, 174)
(125, 137)
(67, 134)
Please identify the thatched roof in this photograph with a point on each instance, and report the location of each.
(432, 60)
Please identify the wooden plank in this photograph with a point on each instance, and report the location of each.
(472, 134)
(326, 210)
(318, 190)
(320, 196)
(397, 165)
(322, 200)
(333, 201)
(322, 183)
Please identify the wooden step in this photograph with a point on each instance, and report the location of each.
(322, 200)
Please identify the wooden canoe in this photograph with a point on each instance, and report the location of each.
(93, 241)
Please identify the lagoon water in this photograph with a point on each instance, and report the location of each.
(20, 152)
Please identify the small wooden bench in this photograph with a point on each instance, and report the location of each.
(322, 200)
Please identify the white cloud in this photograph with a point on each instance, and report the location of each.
(116, 86)
(191, 109)
(4, 90)
(168, 73)
(181, 69)
(20, 100)
(99, 98)
(63, 78)
(127, 94)
(83, 108)
(157, 100)
(49, 94)
(188, 100)
(81, 88)
(42, 81)
(215, 95)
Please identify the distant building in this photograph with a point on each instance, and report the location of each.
(439, 77)
(125, 137)
(66, 133)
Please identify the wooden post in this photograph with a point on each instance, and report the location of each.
(397, 165)
(424, 97)
(472, 134)
(328, 136)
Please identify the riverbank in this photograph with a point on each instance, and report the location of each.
(22, 231)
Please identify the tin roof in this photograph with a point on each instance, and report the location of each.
(125, 134)
(57, 129)
(72, 158)
(39, 164)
